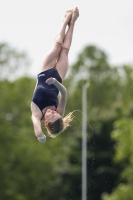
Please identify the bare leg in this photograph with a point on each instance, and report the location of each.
(62, 63)
(51, 58)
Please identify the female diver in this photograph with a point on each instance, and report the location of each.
(45, 105)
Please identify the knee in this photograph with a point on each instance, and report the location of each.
(58, 43)
(65, 49)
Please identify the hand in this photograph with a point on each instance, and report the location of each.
(42, 138)
(50, 81)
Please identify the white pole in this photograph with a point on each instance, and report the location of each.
(84, 141)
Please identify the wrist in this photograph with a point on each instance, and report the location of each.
(55, 82)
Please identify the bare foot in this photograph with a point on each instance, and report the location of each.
(75, 14)
(68, 16)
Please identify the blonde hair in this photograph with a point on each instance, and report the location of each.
(55, 128)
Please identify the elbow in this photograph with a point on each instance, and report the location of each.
(65, 92)
(36, 125)
(32, 117)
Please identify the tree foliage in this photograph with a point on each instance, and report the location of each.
(12, 62)
(123, 135)
(31, 170)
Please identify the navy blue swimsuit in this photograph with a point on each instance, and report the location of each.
(44, 94)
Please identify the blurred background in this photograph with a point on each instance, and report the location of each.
(101, 53)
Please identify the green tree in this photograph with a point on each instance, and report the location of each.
(13, 63)
(123, 134)
(31, 170)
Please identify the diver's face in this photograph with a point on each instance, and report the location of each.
(51, 116)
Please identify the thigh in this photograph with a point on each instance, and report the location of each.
(62, 63)
(51, 58)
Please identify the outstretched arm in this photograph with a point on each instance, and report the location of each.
(36, 115)
(37, 128)
(63, 94)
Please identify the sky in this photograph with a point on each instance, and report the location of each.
(31, 25)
